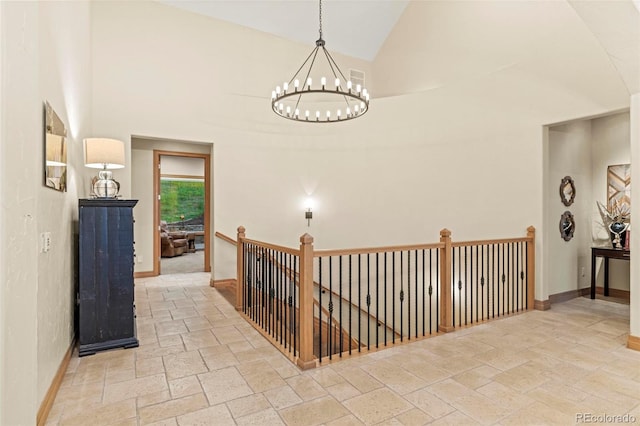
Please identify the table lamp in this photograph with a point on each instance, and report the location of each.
(105, 154)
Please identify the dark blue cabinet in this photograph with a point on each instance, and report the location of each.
(106, 298)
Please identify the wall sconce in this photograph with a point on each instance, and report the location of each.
(308, 214)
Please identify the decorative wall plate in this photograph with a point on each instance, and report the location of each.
(567, 226)
(567, 191)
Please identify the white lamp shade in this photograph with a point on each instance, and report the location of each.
(102, 153)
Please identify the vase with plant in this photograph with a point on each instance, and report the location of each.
(616, 218)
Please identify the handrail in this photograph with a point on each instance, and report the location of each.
(225, 238)
(488, 242)
(288, 250)
(369, 250)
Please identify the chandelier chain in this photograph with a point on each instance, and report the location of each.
(320, 14)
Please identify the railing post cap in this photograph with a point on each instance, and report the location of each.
(445, 233)
(241, 229)
(531, 229)
(306, 239)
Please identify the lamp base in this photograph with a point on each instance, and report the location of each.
(105, 186)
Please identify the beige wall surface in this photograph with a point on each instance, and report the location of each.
(610, 145)
(568, 267)
(182, 166)
(635, 212)
(466, 155)
(45, 56)
(142, 190)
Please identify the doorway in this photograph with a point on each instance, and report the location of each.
(181, 212)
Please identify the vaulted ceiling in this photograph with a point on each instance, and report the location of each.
(361, 28)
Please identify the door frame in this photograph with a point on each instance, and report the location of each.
(156, 205)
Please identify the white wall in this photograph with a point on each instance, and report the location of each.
(46, 56)
(610, 141)
(466, 155)
(142, 190)
(182, 166)
(569, 155)
(635, 212)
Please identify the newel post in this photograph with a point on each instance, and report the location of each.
(240, 268)
(531, 266)
(446, 312)
(305, 358)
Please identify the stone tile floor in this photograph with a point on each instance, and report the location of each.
(200, 363)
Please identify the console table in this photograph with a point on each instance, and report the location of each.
(606, 253)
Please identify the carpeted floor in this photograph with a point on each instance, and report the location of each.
(187, 263)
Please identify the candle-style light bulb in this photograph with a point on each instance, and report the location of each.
(273, 94)
(296, 84)
(337, 83)
(328, 115)
(362, 106)
(323, 82)
(277, 90)
(288, 110)
(306, 114)
(297, 113)
(339, 113)
(281, 107)
(349, 84)
(358, 88)
(348, 112)
(285, 86)
(309, 81)
(317, 115)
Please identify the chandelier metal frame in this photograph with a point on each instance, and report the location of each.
(355, 99)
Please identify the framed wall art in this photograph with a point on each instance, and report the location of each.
(619, 187)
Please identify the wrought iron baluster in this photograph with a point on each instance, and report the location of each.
(502, 275)
(424, 298)
(359, 302)
(377, 298)
(466, 287)
(438, 289)
(350, 306)
(385, 298)
(408, 294)
(295, 307)
(493, 281)
(340, 282)
(393, 297)
(477, 289)
(330, 347)
(453, 286)
(460, 302)
(401, 297)
(368, 301)
(320, 286)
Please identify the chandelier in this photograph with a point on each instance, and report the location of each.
(300, 100)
